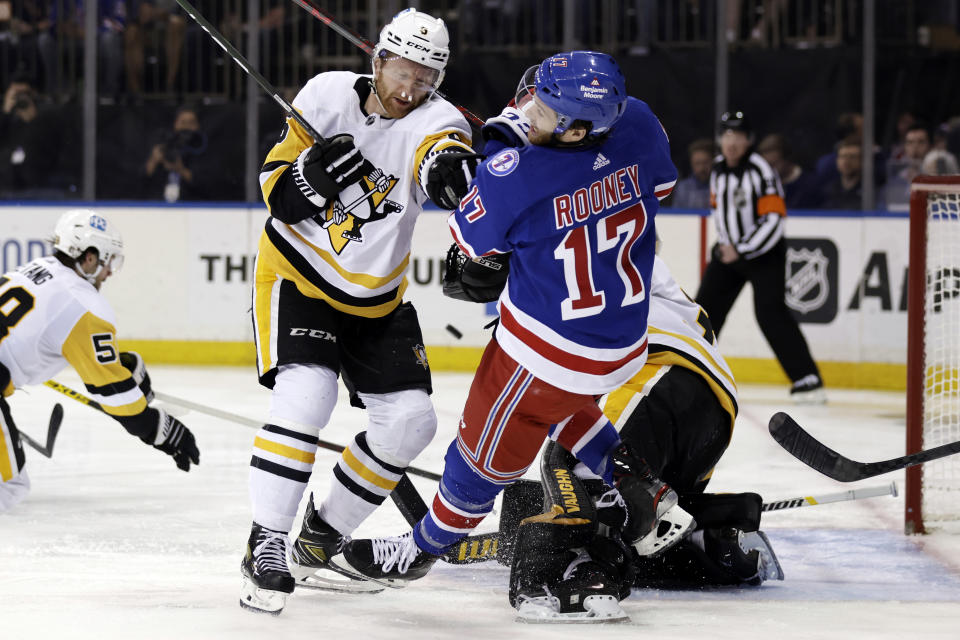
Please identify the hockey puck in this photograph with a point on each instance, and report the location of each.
(454, 331)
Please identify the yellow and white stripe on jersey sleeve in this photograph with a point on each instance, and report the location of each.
(91, 349)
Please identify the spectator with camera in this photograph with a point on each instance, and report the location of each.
(31, 140)
(180, 167)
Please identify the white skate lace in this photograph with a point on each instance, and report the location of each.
(398, 550)
(270, 556)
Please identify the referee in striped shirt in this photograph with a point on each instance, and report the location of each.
(749, 211)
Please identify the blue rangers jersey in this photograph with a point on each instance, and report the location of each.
(579, 222)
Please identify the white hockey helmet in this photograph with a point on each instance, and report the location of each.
(80, 229)
(419, 37)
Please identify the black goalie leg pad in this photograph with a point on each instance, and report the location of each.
(544, 548)
(561, 486)
(521, 500)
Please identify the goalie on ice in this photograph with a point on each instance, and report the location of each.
(679, 412)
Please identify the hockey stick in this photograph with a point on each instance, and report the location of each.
(484, 546)
(852, 494)
(53, 428)
(256, 424)
(405, 495)
(243, 64)
(819, 456)
(367, 47)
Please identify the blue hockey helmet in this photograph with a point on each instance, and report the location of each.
(582, 85)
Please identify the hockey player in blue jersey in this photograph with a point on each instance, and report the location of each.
(570, 187)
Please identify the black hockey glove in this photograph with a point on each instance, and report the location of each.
(480, 280)
(511, 128)
(450, 175)
(174, 439)
(322, 171)
(134, 362)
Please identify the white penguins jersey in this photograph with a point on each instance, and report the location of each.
(51, 317)
(353, 251)
(679, 334)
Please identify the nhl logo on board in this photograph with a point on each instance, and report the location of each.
(504, 162)
(811, 277)
(807, 286)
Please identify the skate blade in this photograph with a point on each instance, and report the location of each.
(598, 609)
(258, 600)
(770, 568)
(347, 569)
(673, 527)
(332, 579)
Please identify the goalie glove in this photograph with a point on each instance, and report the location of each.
(479, 280)
(511, 128)
(175, 440)
(450, 175)
(132, 361)
(322, 171)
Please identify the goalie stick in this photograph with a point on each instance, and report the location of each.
(484, 546)
(53, 428)
(816, 455)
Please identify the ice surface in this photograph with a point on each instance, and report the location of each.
(115, 542)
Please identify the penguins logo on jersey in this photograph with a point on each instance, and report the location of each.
(357, 206)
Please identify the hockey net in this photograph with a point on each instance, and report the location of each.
(933, 352)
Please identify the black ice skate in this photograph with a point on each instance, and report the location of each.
(266, 579)
(315, 559)
(656, 522)
(389, 561)
(808, 390)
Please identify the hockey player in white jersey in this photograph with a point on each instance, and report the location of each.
(328, 298)
(52, 315)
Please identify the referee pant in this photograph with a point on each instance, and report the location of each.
(722, 284)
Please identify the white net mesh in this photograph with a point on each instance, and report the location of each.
(941, 353)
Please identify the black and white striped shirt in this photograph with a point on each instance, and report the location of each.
(748, 205)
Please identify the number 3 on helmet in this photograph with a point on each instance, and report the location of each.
(418, 37)
(582, 85)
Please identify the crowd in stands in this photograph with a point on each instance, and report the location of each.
(179, 148)
(835, 179)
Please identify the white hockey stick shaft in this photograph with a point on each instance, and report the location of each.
(248, 422)
(841, 496)
(210, 411)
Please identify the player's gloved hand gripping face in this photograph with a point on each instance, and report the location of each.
(331, 166)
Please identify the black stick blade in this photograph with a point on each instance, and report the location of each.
(56, 417)
(811, 452)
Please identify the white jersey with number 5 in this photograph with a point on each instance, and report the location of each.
(51, 317)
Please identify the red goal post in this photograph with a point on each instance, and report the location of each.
(932, 493)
